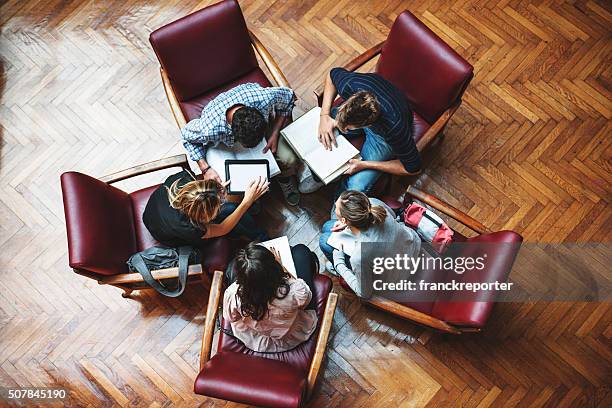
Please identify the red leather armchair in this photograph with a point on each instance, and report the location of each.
(457, 314)
(426, 69)
(206, 53)
(104, 226)
(285, 379)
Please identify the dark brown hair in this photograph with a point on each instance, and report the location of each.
(360, 110)
(260, 280)
(355, 206)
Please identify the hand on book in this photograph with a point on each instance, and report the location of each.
(326, 132)
(276, 255)
(354, 166)
(272, 144)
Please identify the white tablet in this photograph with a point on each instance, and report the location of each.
(241, 173)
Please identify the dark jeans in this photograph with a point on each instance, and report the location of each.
(305, 268)
(246, 227)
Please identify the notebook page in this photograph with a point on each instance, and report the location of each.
(216, 156)
(255, 153)
(281, 244)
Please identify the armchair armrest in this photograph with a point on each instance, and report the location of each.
(211, 314)
(356, 63)
(435, 129)
(411, 314)
(160, 274)
(175, 107)
(447, 209)
(180, 160)
(328, 317)
(268, 61)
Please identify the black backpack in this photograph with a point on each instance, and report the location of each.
(159, 257)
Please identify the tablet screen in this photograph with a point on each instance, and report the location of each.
(242, 174)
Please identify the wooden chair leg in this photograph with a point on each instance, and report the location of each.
(126, 293)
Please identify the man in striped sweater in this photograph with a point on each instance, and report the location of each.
(374, 106)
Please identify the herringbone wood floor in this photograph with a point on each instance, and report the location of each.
(529, 150)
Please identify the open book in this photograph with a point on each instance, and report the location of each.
(281, 244)
(217, 155)
(302, 137)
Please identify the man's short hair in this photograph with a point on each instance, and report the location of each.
(360, 110)
(248, 126)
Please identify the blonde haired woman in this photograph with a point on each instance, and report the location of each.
(185, 210)
(364, 220)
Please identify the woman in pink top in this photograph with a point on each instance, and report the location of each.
(269, 310)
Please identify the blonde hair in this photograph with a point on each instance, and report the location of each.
(360, 110)
(356, 208)
(199, 200)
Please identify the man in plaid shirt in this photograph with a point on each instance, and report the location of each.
(245, 114)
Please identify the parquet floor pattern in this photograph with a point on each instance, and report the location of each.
(529, 150)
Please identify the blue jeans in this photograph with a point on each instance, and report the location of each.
(327, 249)
(375, 148)
(246, 227)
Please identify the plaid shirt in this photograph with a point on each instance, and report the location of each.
(212, 127)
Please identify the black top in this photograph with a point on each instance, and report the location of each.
(395, 121)
(168, 225)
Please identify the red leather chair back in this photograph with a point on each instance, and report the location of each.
(100, 225)
(205, 49)
(429, 72)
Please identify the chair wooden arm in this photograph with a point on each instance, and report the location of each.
(447, 209)
(268, 61)
(211, 314)
(435, 129)
(354, 64)
(411, 314)
(175, 107)
(159, 274)
(180, 160)
(328, 317)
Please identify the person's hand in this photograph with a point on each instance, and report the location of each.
(354, 166)
(338, 226)
(326, 132)
(211, 174)
(272, 144)
(256, 189)
(276, 255)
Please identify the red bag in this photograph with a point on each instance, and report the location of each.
(429, 226)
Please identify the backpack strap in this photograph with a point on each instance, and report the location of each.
(184, 253)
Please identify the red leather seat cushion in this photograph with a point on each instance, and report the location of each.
(299, 357)
(205, 49)
(501, 249)
(429, 72)
(192, 108)
(100, 225)
(251, 380)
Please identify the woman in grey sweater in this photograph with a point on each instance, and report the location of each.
(361, 219)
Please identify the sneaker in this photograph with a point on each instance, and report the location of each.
(290, 191)
(308, 184)
(330, 268)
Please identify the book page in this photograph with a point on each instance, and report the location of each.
(343, 239)
(302, 137)
(216, 156)
(281, 244)
(241, 175)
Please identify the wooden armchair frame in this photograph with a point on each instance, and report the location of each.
(211, 315)
(277, 76)
(432, 133)
(130, 281)
(408, 312)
